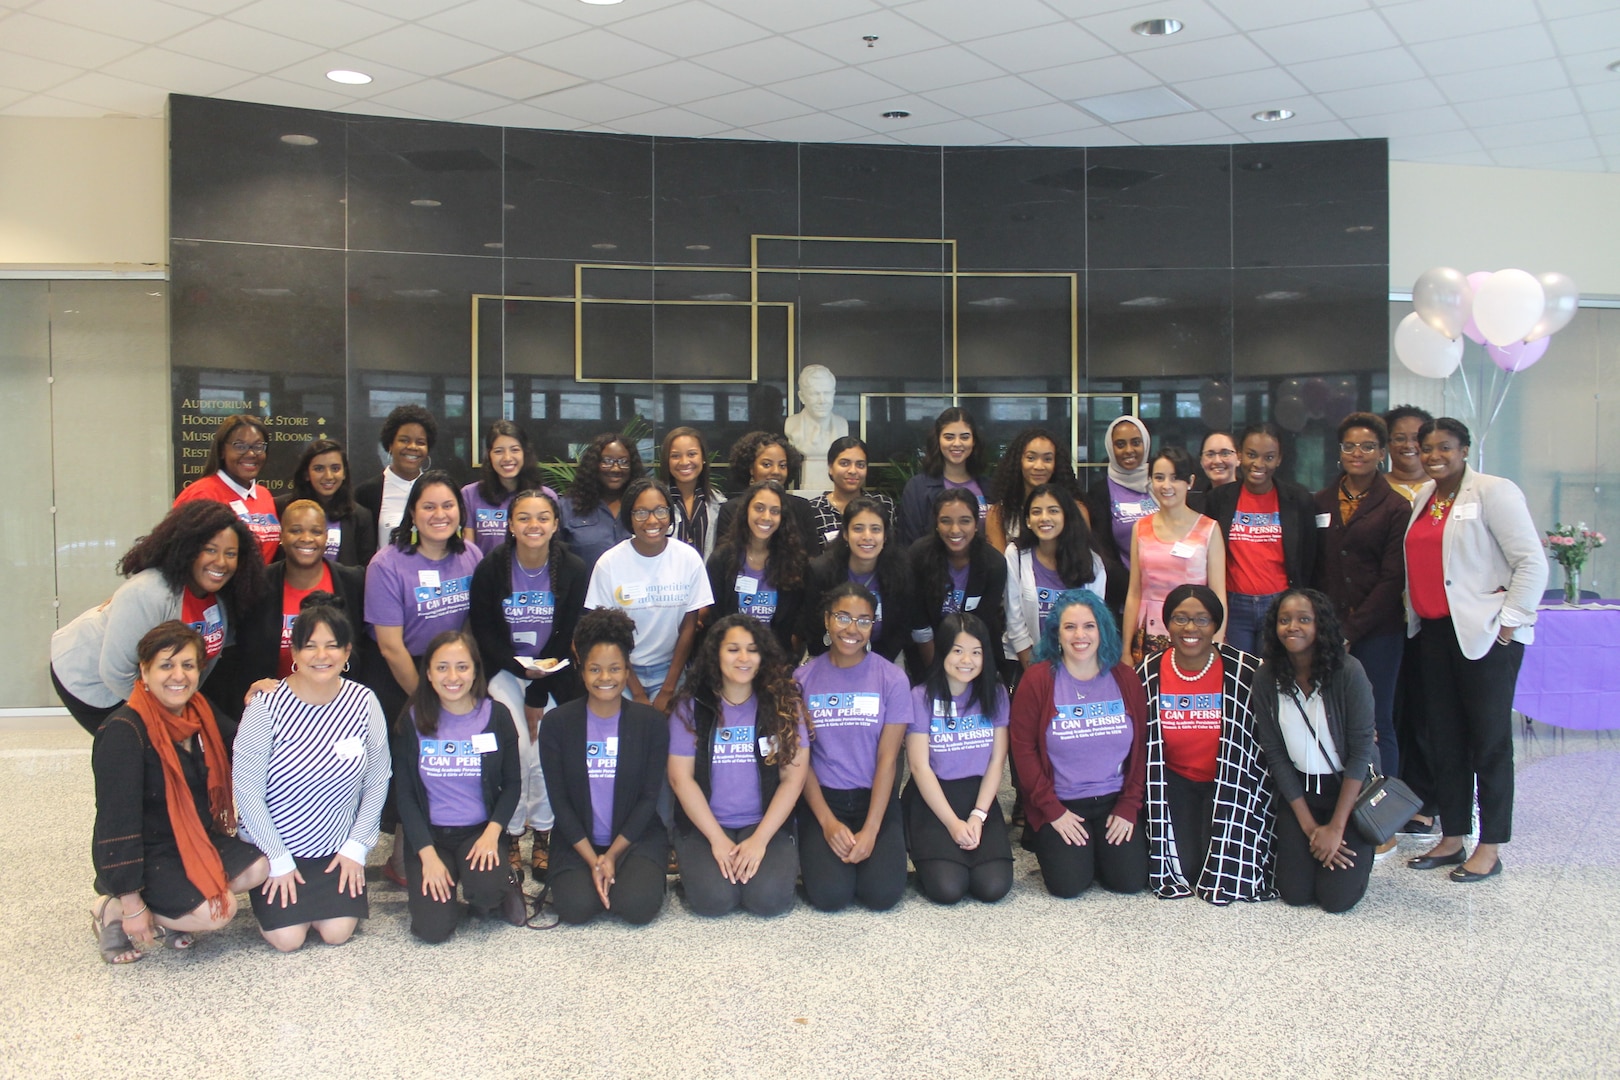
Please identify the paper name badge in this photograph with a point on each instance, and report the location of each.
(1466, 512)
(746, 586)
(427, 579)
(767, 745)
(348, 747)
(1183, 550)
(1324, 520)
(484, 743)
(239, 507)
(830, 535)
(334, 535)
(972, 602)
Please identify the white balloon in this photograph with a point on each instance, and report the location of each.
(1507, 305)
(1444, 298)
(1562, 301)
(1426, 351)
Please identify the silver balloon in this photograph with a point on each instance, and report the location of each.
(1443, 298)
(1562, 301)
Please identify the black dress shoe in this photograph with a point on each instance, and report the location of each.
(1463, 876)
(1417, 828)
(1430, 862)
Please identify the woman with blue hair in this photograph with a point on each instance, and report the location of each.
(1079, 750)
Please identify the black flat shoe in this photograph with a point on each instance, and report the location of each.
(1462, 876)
(1417, 828)
(1431, 862)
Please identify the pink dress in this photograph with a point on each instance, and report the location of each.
(1164, 566)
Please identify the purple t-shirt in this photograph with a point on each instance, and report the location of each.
(734, 792)
(487, 519)
(978, 493)
(601, 769)
(422, 596)
(871, 583)
(1047, 587)
(957, 596)
(1125, 508)
(451, 764)
(960, 738)
(530, 609)
(756, 595)
(1089, 737)
(848, 709)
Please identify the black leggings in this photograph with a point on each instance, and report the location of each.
(1069, 869)
(1300, 878)
(434, 920)
(636, 895)
(88, 716)
(1192, 811)
(830, 883)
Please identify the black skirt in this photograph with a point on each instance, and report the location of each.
(167, 890)
(928, 838)
(318, 899)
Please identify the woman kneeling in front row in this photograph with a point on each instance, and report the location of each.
(1079, 748)
(737, 753)
(604, 757)
(1313, 712)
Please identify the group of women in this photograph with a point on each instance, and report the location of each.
(1182, 706)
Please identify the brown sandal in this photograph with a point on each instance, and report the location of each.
(110, 938)
(540, 864)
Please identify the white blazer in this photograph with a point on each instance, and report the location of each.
(1495, 567)
(1023, 606)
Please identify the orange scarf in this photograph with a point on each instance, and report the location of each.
(197, 852)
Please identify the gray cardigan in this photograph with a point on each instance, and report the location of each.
(1348, 701)
(94, 655)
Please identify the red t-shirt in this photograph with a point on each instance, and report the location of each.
(291, 600)
(1190, 715)
(1254, 551)
(204, 615)
(257, 511)
(1425, 564)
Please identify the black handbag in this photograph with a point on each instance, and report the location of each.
(1384, 805)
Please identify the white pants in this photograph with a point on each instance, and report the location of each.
(534, 807)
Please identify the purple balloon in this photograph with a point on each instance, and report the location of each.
(1471, 328)
(1519, 355)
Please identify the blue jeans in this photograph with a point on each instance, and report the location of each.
(1380, 654)
(1245, 620)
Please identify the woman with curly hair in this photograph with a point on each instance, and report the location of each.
(953, 458)
(1052, 552)
(407, 438)
(591, 525)
(683, 464)
(955, 571)
(200, 565)
(1079, 750)
(759, 567)
(322, 476)
(867, 553)
(508, 469)
(231, 476)
(766, 455)
(1034, 458)
(738, 747)
(1313, 716)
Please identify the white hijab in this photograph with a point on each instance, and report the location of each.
(1135, 479)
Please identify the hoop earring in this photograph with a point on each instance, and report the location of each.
(295, 666)
(345, 666)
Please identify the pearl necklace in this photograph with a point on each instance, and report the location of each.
(1182, 675)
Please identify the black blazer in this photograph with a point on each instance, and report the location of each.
(722, 568)
(798, 508)
(901, 615)
(359, 541)
(986, 582)
(1297, 509)
(1099, 507)
(491, 584)
(257, 652)
(500, 773)
(1361, 565)
(368, 495)
(643, 759)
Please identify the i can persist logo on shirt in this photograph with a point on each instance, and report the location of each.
(530, 605)
(1089, 716)
(602, 758)
(1253, 528)
(1190, 701)
(449, 593)
(847, 708)
(734, 742)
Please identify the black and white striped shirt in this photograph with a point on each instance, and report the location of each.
(310, 779)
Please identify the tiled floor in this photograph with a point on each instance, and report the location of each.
(1518, 976)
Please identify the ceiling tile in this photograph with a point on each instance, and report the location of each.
(507, 25)
(399, 9)
(112, 94)
(746, 108)
(836, 89)
(175, 72)
(1045, 47)
(138, 20)
(272, 91)
(842, 39)
(1517, 107)
(523, 115)
(689, 28)
(1408, 122)
(416, 48)
(1587, 33)
(1101, 136)
(1502, 81)
(605, 14)
(32, 74)
(512, 77)
(44, 105)
(1472, 157)
(1199, 20)
(1605, 123)
(596, 54)
(673, 124)
(222, 7)
(9, 98)
(440, 100)
(1566, 9)
(817, 127)
(1203, 59)
(1248, 88)
(240, 46)
(312, 73)
(1545, 154)
(991, 96)
(1601, 97)
(1041, 120)
(596, 103)
(1319, 39)
(1308, 112)
(933, 69)
(785, 15)
(1391, 97)
(1350, 72)
(951, 133)
(1110, 75)
(377, 110)
(1440, 142)
(1173, 129)
(768, 61)
(47, 40)
(922, 114)
(328, 23)
(874, 139)
(677, 83)
(966, 20)
(1481, 52)
(1525, 133)
(1259, 14)
(1434, 20)
(1333, 129)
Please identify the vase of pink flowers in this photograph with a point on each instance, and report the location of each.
(1571, 546)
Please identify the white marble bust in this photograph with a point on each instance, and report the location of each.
(813, 428)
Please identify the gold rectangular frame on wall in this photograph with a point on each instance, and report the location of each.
(1074, 400)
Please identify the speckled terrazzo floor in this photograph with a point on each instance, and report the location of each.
(1519, 976)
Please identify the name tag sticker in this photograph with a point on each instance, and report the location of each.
(484, 743)
(767, 745)
(746, 586)
(972, 602)
(830, 535)
(349, 747)
(1466, 512)
(524, 637)
(239, 507)
(1183, 550)
(630, 592)
(334, 535)
(1324, 520)
(427, 579)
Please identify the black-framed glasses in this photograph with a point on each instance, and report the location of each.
(615, 463)
(1203, 622)
(248, 448)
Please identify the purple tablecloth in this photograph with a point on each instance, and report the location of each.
(1571, 675)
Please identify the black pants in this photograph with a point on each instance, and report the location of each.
(830, 883)
(434, 920)
(946, 873)
(1300, 878)
(88, 716)
(768, 892)
(1468, 706)
(1191, 805)
(1411, 733)
(1380, 656)
(636, 895)
(1069, 869)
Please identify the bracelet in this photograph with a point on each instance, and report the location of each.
(132, 914)
(982, 815)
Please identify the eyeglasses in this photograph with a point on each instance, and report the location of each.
(1220, 453)
(659, 512)
(843, 619)
(1203, 622)
(1364, 447)
(247, 448)
(615, 463)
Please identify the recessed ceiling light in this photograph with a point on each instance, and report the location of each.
(604, 247)
(1281, 294)
(426, 202)
(896, 114)
(697, 247)
(1157, 27)
(1271, 116)
(1146, 301)
(300, 140)
(601, 3)
(347, 77)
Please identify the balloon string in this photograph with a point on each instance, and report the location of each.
(1502, 400)
(1462, 373)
